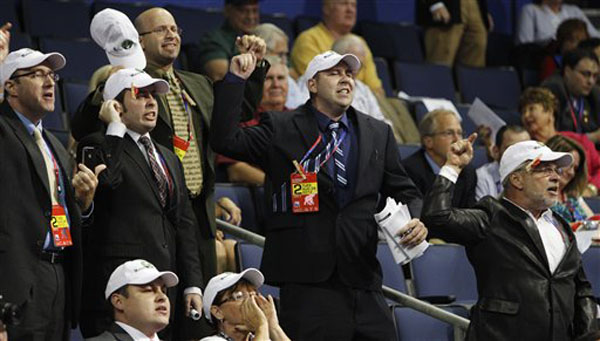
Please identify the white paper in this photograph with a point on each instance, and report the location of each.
(432, 104)
(481, 114)
(392, 221)
(584, 239)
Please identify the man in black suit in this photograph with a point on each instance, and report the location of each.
(321, 236)
(439, 129)
(530, 280)
(455, 30)
(142, 205)
(40, 204)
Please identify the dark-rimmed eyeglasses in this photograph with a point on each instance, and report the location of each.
(547, 170)
(162, 30)
(39, 74)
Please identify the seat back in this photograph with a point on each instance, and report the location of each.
(58, 19)
(195, 22)
(131, 9)
(393, 276)
(414, 325)
(406, 150)
(444, 270)
(497, 87)
(74, 94)
(426, 80)
(393, 41)
(250, 256)
(383, 71)
(591, 266)
(84, 57)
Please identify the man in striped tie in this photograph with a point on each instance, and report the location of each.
(142, 206)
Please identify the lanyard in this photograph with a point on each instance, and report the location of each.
(328, 156)
(580, 108)
(188, 113)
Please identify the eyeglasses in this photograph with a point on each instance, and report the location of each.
(39, 74)
(547, 170)
(162, 30)
(238, 296)
(588, 74)
(450, 133)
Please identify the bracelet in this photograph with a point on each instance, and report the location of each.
(593, 189)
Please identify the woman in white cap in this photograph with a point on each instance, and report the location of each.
(238, 311)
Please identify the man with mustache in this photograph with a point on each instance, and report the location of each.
(142, 206)
(531, 284)
(322, 254)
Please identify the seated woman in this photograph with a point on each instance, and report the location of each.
(572, 183)
(232, 304)
(538, 106)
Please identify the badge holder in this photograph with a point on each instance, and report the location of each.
(304, 190)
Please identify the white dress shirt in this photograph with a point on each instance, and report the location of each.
(135, 334)
(488, 181)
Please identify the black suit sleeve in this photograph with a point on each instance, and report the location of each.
(226, 137)
(396, 183)
(253, 92)
(585, 306)
(462, 226)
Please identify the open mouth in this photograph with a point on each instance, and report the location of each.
(344, 91)
(150, 115)
(553, 190)
(162, 310)
(48, 96)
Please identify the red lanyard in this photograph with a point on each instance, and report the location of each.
(573, 117)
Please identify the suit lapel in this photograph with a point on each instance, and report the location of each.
(529, 226)
(135, 153)
(30, 146)
(365, 147)
(118, 333)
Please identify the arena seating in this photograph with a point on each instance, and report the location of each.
(249, 256)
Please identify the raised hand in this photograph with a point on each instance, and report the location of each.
(251, 44)
(85, 183)
(110, 111)
(4, 40)
(243, 65)
(461, 153)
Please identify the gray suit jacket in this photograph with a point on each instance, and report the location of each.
(114, 333)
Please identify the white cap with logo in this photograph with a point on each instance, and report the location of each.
(225, 281)
(523, 151)
(137, 272)
(115, 33)
(25, 58)
(126, 78)
(329, 59)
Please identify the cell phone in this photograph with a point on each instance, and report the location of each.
(88, 157)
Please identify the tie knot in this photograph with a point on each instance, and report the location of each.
(334, 126)
(37, 134)
(145, 141)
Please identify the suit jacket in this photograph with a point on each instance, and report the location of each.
(25, 212)
(562, 117)
(519, 298)
(422, 175)
(199, 87)
(114, 333)
(308, 247)
(424, 17)
(129, 221)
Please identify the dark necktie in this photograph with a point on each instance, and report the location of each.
(159, 176)
(338, 156)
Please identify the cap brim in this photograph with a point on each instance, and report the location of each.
(352, 61)
(253, 276)
(561, 159)
(55, 60)
(168, 277)
(136, 60)
(158, 85)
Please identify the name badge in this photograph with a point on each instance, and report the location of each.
(59, 225)
(180, 146)
(305, 192)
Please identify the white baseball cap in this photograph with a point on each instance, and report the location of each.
(26, 58)
(520, 152)
(137, 272)
(115, 33)
(125, 78)
(225, 281)
(329, 59)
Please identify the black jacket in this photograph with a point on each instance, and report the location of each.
(308, 247)
(519, 299)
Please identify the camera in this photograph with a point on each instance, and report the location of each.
(10, 313)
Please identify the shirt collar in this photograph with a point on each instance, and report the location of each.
(432, 164)
(547, 214)
(28, 124)
(136, 136)
(324, 121)
(157, 72)
(135, 334)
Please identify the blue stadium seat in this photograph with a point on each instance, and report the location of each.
(242, 197)
(444, 270)
(407, 150)
(283, 22)
(131, 9)
(304, 22)
(20, 40)
(8, 13)
(383, 71)
(76, 335)
(393, 41)
(591, 266)
(250, 256)
(83, 57)
(498, 49)
(393, 276)
(512, 117)
(480, 157)
(58, 19)
(594, 204)
(529, 78)
(499, 88)
(412, 325)
(74, 94)
(56, 119)
(426, 80)
(195, 22)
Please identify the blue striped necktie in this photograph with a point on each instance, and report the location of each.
(338, 156)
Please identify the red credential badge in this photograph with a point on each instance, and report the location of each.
(180, 146)
(305, 192)
(59, 225)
